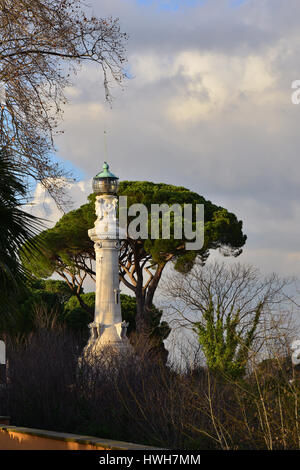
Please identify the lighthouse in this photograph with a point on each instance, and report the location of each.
(107, 329)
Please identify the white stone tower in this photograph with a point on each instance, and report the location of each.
(107, 328)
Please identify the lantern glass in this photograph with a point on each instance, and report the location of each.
(105, 185)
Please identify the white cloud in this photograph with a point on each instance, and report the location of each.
(216, 81)
(42, 204)
(257, 76)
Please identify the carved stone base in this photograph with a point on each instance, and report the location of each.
(97, 352)
(107, 340)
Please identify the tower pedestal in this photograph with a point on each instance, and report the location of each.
(107, 329)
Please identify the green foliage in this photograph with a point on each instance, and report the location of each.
(39, 297)
(128, 309)
(17, 227)
(225, 349)
(68, 242)
(78, 318)
(221, 227)
(52, 286)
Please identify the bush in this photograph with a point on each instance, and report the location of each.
(143, 401)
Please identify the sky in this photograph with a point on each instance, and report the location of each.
(207, 105)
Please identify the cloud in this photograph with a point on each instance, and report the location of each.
(216, 81)
(43, 206)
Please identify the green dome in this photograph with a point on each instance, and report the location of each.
(105, 173)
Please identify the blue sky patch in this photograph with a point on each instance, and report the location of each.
(237, 3)
(171, 5)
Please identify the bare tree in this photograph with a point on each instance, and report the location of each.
(233, 309)
(42, 42)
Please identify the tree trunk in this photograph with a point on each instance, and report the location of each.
(141, 318)
(144, 300)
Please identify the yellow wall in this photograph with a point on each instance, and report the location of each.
(10, 440)
(17, 438)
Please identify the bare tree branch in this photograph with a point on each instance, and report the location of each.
(42, 43)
